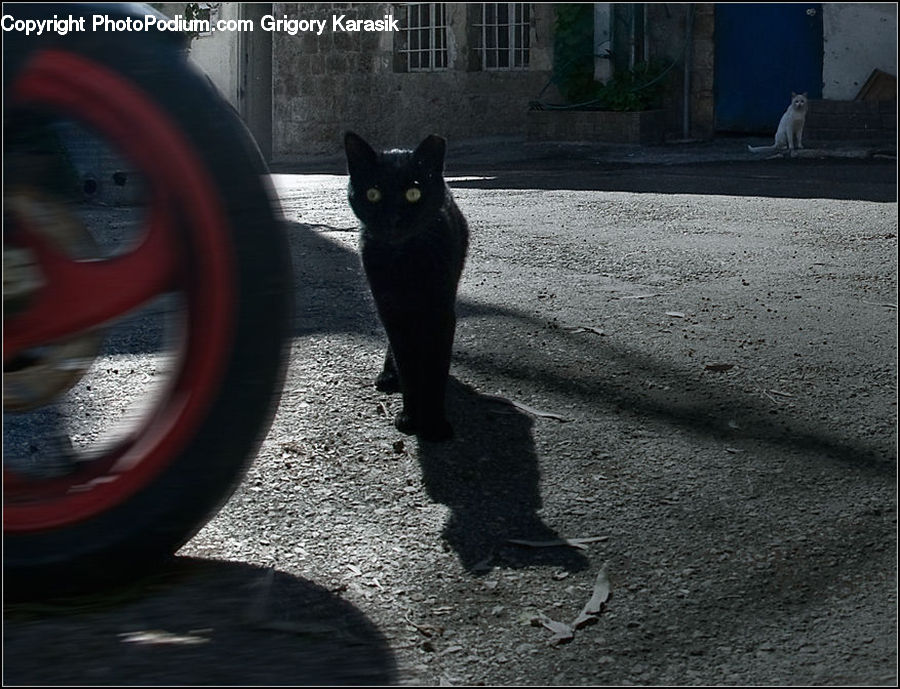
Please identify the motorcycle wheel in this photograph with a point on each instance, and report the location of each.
(208, 259)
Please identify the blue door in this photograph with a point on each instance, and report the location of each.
(762, 53)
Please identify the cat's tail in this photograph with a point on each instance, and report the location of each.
(758, 149)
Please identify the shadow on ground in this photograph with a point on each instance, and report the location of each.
(332, 296)
(200, 622)
(608, 377)
(661, 170)
(488, 476)
(859, 180)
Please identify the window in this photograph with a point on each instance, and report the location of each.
(422, 42)
(504, 35)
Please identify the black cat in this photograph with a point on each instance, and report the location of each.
(413, 241)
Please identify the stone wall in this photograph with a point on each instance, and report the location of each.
(326, 84)
(644, 127)
(668, 38)
(829, 120)
(703, 115)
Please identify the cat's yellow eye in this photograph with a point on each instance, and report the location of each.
(413, 194)
(373, 195)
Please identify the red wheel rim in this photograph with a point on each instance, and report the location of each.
(196, 262)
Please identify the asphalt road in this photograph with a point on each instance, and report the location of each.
(785, 178)
(701, 361)
(861, 171)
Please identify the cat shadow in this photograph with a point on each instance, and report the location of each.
(488, 476)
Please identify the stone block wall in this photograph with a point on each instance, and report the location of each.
(703, 72)
(323, 85)
(828, 120)
(646, 127)
(667, 26)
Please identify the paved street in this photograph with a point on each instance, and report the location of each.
(687, 361)
(804, 179)
(860, 170)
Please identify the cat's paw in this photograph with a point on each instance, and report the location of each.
(436, 431)
(387, 381)
(433, 431)
(404, 423)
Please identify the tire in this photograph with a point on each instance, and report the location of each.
(213, 239)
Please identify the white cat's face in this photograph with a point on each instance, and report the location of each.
(798, 101)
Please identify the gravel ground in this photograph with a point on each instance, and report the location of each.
(692, 397)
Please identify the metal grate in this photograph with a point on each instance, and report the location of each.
(423, 36)
(505, 35)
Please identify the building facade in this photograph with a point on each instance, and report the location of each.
(463, 70)
(473, 70)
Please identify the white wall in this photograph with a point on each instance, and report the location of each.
(602, 41)
(217, 54)
(859, 37)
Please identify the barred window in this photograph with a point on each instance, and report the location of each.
(503, 31)
(422, 41)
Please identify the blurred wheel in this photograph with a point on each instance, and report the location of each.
(205, 265)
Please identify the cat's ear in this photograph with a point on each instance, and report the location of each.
(430, 154)
(360, 156)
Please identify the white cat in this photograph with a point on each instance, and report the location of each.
(790, 128)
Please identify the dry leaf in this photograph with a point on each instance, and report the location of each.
(587, 329)
(597, 601)
(643, 296)
(580, 543)
(675, 314)
(562, 633)
(528, 410)
(537, 544)
(426, 630)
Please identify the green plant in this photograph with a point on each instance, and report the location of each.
(638, 88)
(192, 11)
(573, 59)
(635, 89)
